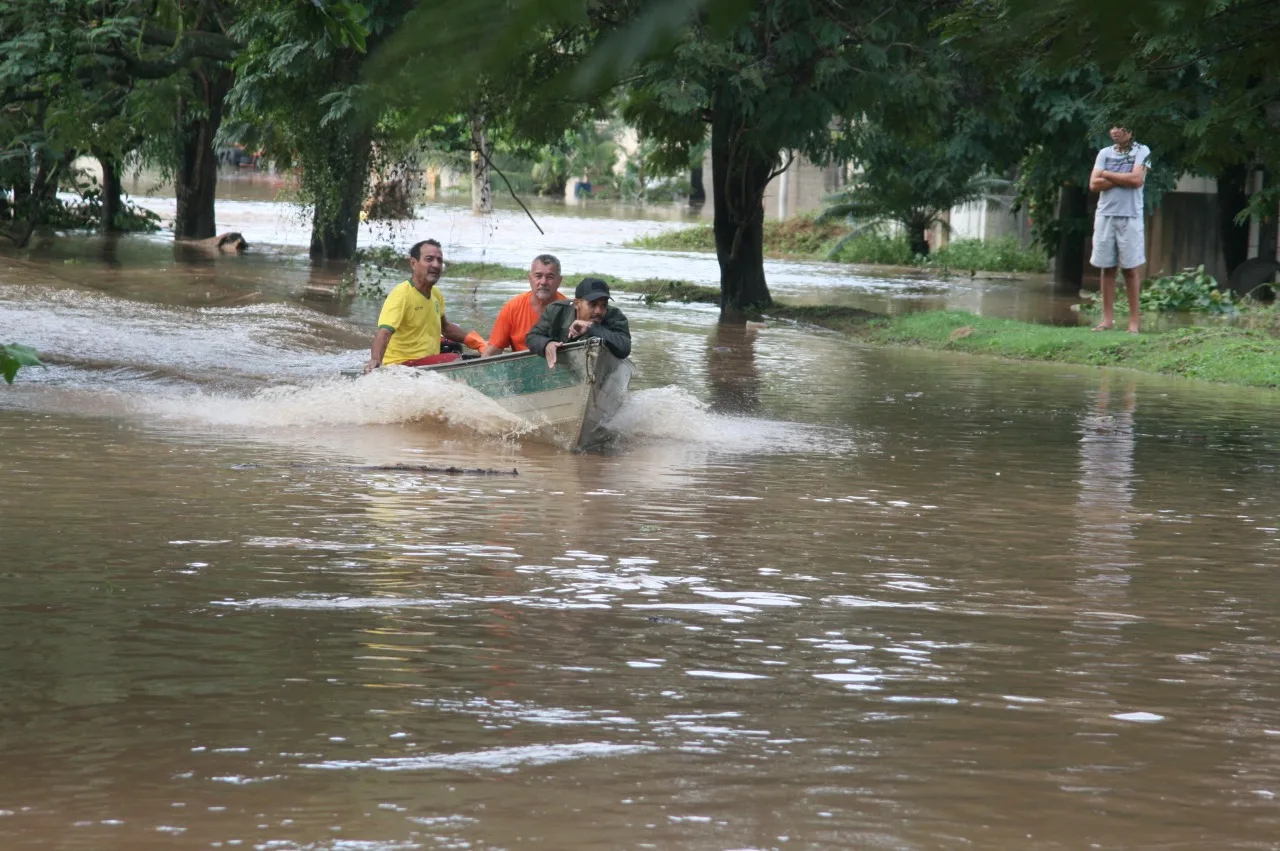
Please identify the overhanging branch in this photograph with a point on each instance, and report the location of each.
(197, 43)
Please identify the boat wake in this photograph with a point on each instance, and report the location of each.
(388, 396)
(673, 415)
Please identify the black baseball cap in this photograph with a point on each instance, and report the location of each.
(592, 289)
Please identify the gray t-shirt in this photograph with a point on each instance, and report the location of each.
(1119, 200)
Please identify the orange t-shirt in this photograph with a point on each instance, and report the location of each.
(514, 321)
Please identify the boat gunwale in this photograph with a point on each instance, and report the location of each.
(465, 363)
(506, 357)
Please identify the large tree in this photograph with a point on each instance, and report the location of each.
(510, 93)
(764, 79)
(106, 77)
(780, 80)
(300, 96)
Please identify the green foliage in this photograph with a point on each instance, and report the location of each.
(1003, 254)
(650, 174)
(93, 77)
(1191, 290)
(872, 246)
(1188, 291)
(1196, 81)
(697, 238)
(85, 212)
(800, 237)
(805, 238)
(543, 51)
(300, 97)
(910, 187)
(383, 255)
(587, 150)
(1222, 354)
(662, 290)
(767, 77)
(13, 357)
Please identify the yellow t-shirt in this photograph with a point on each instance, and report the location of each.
(414, 322)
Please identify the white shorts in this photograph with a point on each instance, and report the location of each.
(1118, 241)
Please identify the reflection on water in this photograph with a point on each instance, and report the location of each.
(1106, 482)
(1105, 541)
(731, 368)
(821, 596)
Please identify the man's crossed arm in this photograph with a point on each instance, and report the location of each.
(1101, 180)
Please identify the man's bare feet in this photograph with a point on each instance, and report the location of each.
(1133, 330)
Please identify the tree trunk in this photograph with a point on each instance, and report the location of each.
(481, 185)
(342, 174)
(1068, 258)
(740, 171)
(196, 177)
(40, 198)
(1267, 228)
(112, 191)
(1233, 196)
(697, 192)
(6, 187)
(917, 238)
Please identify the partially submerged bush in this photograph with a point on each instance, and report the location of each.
(1189, 290)
(85, 213)
(807, 238)
(696, 238)
(1004, 254)
(876, 248)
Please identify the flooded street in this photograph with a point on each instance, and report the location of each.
(822, 596)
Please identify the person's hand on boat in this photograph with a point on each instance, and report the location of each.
(550, 353)
(370, 365)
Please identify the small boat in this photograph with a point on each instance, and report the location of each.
(571, 405)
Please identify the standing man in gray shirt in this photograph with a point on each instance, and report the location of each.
(1119, 240)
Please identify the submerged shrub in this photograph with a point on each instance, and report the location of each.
(696, 238)
(871, 247)
(1004, 254)
(1189, 290)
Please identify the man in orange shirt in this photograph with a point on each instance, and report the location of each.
(522, 312)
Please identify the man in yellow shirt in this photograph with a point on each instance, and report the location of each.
(412, 318)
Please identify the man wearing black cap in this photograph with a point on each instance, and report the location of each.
(588, 315)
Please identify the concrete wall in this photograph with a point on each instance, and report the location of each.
(804, 185)
(990, 219)
(799, 189)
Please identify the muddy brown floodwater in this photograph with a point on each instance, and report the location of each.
(821, 596)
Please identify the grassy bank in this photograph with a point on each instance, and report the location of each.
(1248, 356)
(800, 238)
(1228, 355)
(803, 238)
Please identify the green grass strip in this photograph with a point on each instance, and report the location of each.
(1228, 355)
